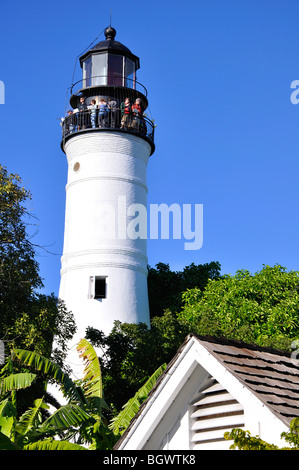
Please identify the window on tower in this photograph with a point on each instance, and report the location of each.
(99, 69)
(115, 70)
(98, 287)
(87, 72)
(130, 74)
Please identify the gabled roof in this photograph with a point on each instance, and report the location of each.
(271, 376)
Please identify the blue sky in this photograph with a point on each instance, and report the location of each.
(218, 75)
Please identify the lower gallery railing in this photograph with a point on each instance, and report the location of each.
(111, 119)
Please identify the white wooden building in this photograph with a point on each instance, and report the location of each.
(210, 387)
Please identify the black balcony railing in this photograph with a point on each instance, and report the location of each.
(134, 123)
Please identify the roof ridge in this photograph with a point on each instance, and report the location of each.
(239, 344)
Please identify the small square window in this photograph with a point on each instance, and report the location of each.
(97, 287)
(100, 288)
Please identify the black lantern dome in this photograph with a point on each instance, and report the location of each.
(112, 47)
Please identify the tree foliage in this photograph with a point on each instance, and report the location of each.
(28, 319)
(262, 308)
(19, 274)
(243, 440)
(165, 286)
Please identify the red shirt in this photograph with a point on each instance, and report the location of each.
(138, 107)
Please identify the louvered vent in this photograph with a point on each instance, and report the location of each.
(213, 413)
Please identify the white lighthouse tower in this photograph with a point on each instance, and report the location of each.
(107, 145)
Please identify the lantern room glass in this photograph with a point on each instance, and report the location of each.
(115, 70)
(99, 69)
(130, 73)
(109, 69)
(87, 72)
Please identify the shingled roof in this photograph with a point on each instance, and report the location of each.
(272, 376)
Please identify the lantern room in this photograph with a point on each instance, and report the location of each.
(109, 68)
(109, 63)
(107, 91)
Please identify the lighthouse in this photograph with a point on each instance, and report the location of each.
(107, 139)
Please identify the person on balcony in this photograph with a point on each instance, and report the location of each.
(93, 113)
(112, 105)
(137, 114)
(70, 122)
(81, 115)
(103, 113)
(125, 109)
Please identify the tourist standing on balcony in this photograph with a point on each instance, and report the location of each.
(70, 122)
(112, 105)
(93, 113)
(125, 109)
(67, 123)
(81, 115)
(103, 112)
(137, 113)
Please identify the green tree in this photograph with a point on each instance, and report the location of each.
(262, 308)
(243, 440)
(165, 287)
(19, 275)
(28, 319)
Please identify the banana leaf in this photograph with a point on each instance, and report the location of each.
(120, 423)
(66, 416)
(92, 371)
(48, 368)
(16, 382)
(31, 418)
(7, 417)
(49, 444)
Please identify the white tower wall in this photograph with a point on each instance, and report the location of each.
(106, 175)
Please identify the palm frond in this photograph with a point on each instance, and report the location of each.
(48, 368)
(7, 417)
(30, 419)
(49, 444)
(92, 372)
(120, 423)
(66, 416)
(16, 382)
